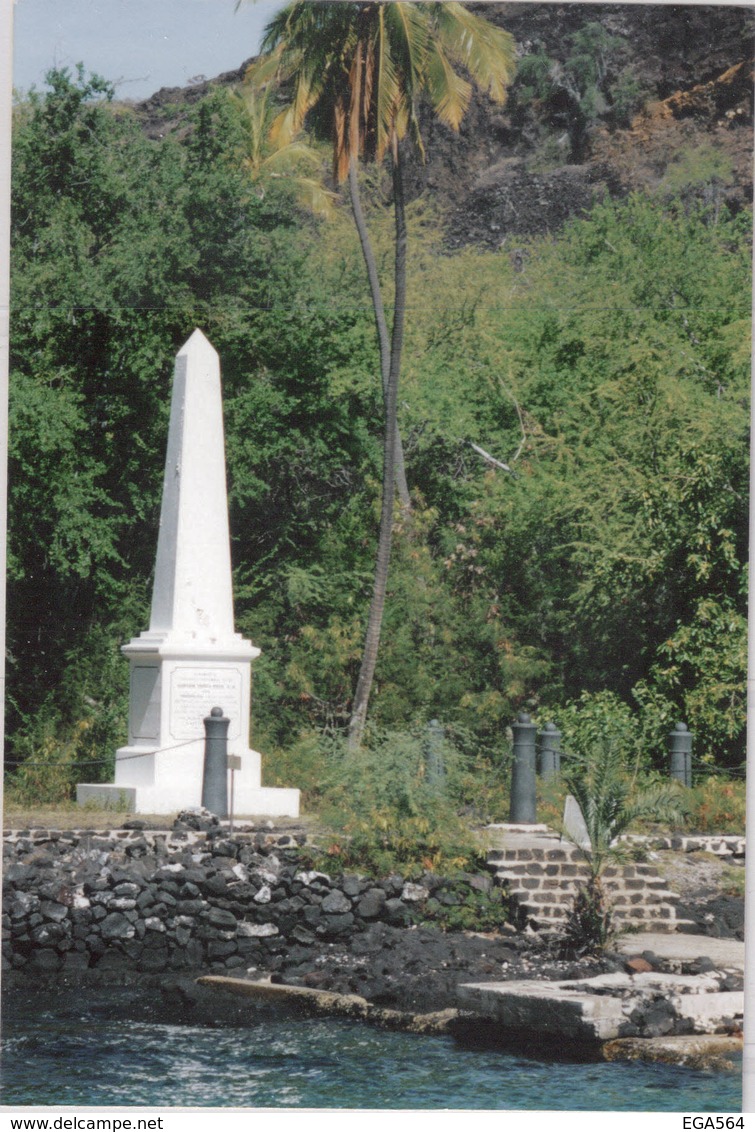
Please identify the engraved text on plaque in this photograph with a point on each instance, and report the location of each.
(195, 691)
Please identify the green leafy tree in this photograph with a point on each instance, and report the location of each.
(95, 258)
(120, 246)
(702, 172)
(585, 84)
(629, 503)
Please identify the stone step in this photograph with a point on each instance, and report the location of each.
(562, 870)
(504, 856)
(550, 899)
(552, 918)
(542, 884)
(618, 892)
(526, 896)
(656, 896)
(565, 901)
(539, 917)
(653, 912)
(630, 886)
(560, 875)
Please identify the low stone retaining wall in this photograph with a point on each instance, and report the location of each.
(725, 845)
(170, 901)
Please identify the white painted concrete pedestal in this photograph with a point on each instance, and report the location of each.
(190, 660)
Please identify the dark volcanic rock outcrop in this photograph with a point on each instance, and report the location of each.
(514, 171)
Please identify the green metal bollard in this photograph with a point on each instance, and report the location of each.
(523, 809)
(436, 767)
(550, 752)
(680, 752)
(215, 776)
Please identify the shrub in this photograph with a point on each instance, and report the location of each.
(396, 803)
(305, 764)
(379, 843)
(733, 881)
(551, 795)
(50, 769)
(599, 718)
(717, 805)
(459, 906)
(611, 801)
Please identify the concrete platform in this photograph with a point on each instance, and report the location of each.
(600, 1009)
(726, 954)
(504, 835)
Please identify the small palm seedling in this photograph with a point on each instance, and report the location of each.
(611, 802)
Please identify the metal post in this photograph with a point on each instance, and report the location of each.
(523, 795)
(234, 764)
(550, 752)
(215, 778)
(436, 768)
(680, 754)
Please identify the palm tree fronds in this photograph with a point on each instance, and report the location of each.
(486, 51)
(449, 92)
(610, 804)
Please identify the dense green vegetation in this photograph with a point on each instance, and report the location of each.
(609, 370)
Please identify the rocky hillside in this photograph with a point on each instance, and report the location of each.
(608, 98)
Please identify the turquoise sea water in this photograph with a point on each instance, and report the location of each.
(66, 1051)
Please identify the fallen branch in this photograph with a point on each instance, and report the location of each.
(491, 459)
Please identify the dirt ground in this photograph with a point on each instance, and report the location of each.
(711, 891)
(82, 817)
(698, 875)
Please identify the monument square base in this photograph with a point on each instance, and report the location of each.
(264, 801)
(174, 687)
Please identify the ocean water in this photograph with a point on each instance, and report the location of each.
(84, 1050)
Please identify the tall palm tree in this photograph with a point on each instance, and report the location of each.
(355, 71)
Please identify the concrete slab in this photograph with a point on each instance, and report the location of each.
(548, 1010)
(508, 836)
(724, 953)
(593, 1011)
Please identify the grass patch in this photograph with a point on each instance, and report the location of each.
(69, 815)
(733, 881)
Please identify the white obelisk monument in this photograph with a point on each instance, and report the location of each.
(190, 660)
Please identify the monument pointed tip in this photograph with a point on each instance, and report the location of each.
(197, 341)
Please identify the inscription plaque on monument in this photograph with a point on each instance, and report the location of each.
(145, 701)
(195, 691)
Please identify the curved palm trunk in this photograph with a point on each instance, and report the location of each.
(380, 323)
(380, 585)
